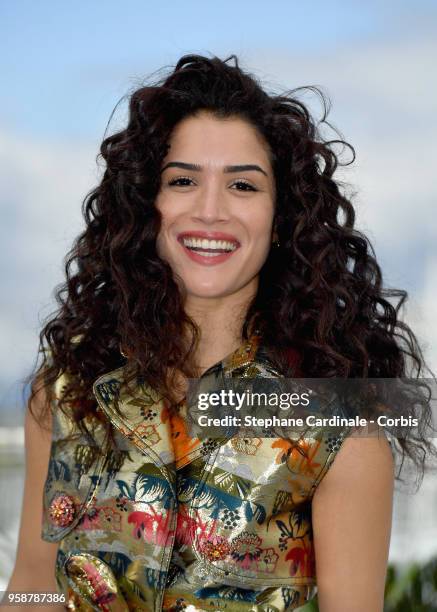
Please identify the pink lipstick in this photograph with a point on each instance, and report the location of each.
(208, 248)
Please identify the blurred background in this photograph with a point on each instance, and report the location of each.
(65, 67)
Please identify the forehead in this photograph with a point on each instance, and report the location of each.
(207, 136)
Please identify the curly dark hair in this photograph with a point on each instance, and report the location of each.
(320, 293)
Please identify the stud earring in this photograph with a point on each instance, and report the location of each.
(275, 242)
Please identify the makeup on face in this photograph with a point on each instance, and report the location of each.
(217, 204)
(208, 248)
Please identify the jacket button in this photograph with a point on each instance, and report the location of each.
(62, 510)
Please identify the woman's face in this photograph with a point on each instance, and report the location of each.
(217, 203)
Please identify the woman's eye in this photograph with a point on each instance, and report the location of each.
(176, 181)
(247, 186)
(184, 181)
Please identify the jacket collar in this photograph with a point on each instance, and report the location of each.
(141, 415)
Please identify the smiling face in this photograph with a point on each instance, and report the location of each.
(216, 199)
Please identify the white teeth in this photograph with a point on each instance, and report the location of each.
(204, 243)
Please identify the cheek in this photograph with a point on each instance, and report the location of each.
(260, 225)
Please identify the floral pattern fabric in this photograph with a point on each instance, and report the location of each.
(167, 522)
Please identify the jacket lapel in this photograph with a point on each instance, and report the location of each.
(141, 415)
(136, 412)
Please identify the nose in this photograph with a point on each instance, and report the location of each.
(210, 204)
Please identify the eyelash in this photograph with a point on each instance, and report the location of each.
(178, 178)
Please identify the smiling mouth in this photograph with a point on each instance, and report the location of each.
(209, 248)
(208, 252)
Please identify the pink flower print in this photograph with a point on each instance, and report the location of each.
(185, 526)
(267, 560)
(62, 510)
(151, 526)
(246, 549)
(189, 527)
(216, 548)
(90, 520)
(297, 557)
(302, 561)
(204, 530)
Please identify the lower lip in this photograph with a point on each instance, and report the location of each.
(205, 260)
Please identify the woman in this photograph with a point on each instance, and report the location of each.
(212, 248)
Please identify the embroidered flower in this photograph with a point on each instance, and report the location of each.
(216, 548)
(248, 446)
(302, 560)
(62, 510)
(246, 548)
(90, 520)
(152, 526)
(268, 560)
(299, 455)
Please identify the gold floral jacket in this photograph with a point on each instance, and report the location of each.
(168, 522)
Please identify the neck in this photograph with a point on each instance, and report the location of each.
(220, 321)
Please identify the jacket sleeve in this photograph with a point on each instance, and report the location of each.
(73, 472)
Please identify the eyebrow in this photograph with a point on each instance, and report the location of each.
(198, 167)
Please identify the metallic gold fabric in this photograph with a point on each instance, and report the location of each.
(166, 522)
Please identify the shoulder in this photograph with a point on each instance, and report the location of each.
(358, 487)
(364, 455)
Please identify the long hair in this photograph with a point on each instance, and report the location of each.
(320, 292)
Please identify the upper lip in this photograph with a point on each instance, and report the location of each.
(208, 235)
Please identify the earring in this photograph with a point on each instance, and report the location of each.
(121, 351)
(275, 243)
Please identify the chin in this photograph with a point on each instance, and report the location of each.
(212, 291)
